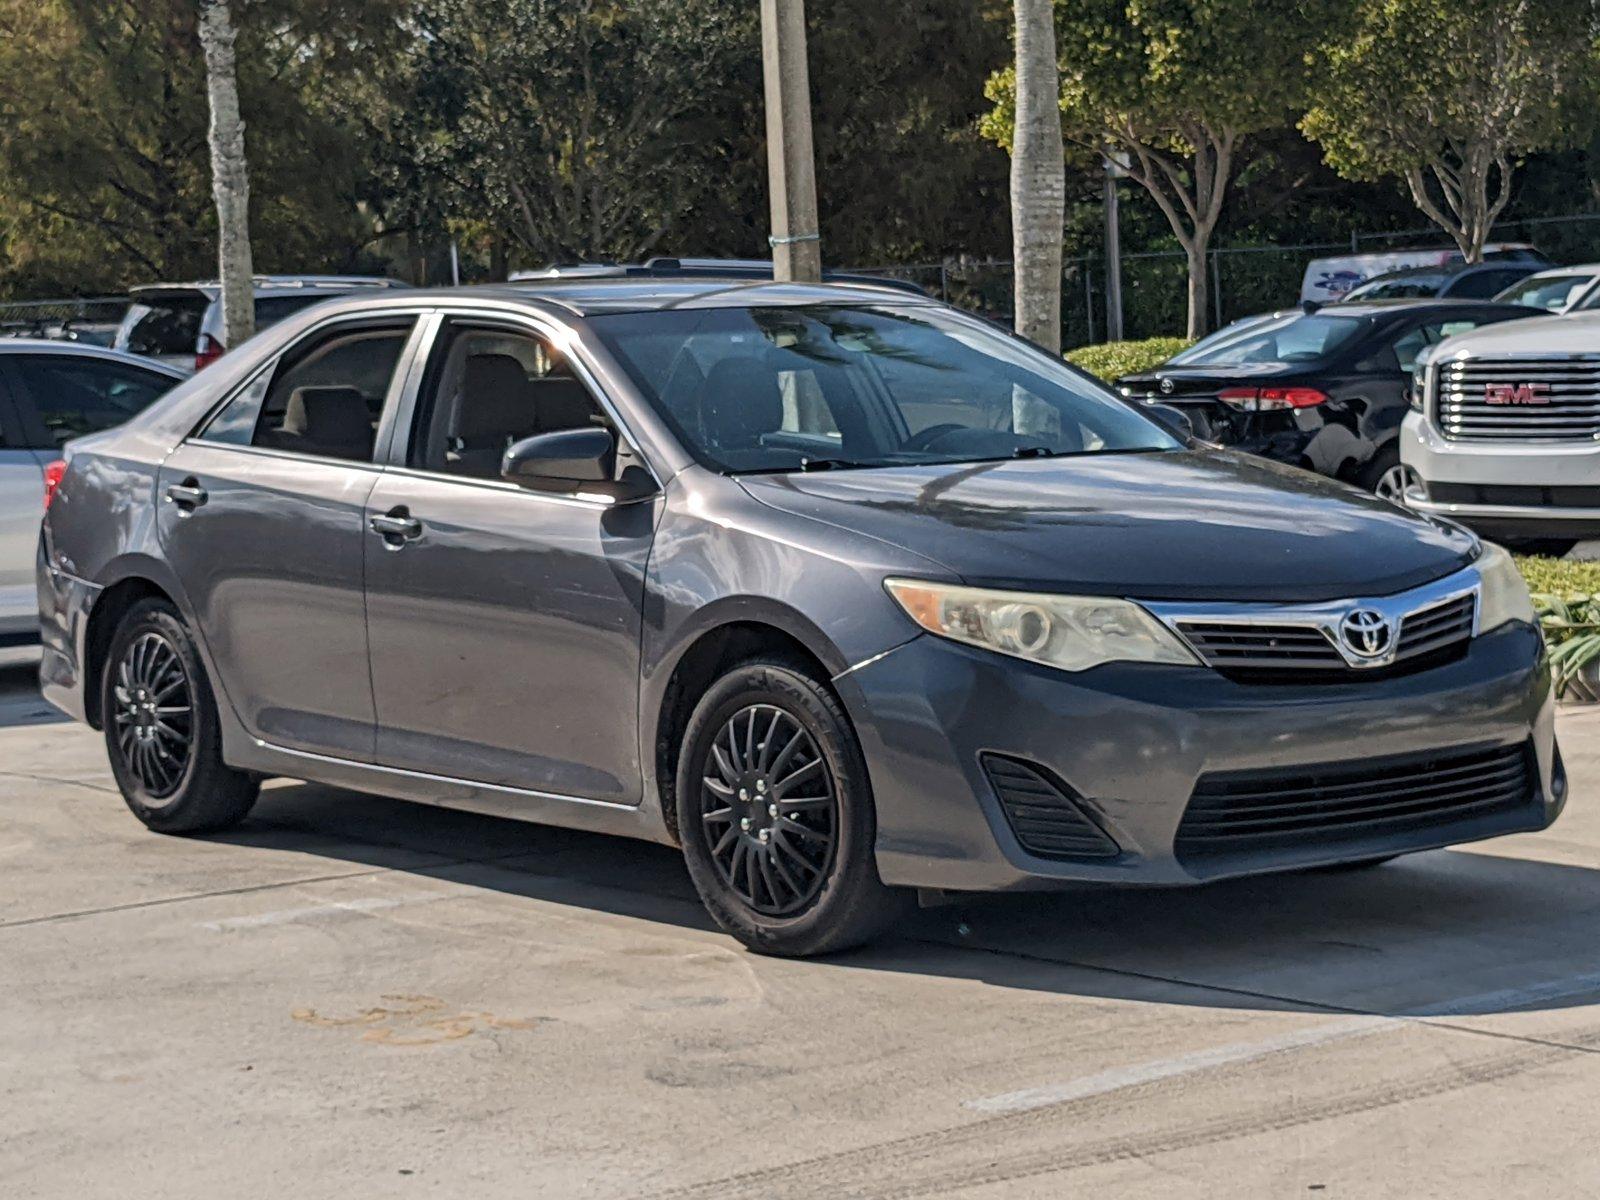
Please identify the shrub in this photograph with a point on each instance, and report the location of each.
(1111, 360)
(1566, 595)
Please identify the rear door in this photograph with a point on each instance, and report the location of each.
(21, 508)
(262, 518)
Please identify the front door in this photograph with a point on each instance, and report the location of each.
(262, 518)
(504, 623)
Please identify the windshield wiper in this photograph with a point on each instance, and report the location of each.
(827, 464)
(1033, 452)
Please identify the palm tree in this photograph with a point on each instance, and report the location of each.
(230, 177)
(1038, 177)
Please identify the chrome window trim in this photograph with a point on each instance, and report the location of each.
(585, 499)
(371, 468)
(1326, 616)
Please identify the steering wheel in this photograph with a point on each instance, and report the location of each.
(924, 439)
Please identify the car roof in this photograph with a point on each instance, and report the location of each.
(1590, 269)
(587, 297)
(1388, 307)
(211, 288)
(80, 350)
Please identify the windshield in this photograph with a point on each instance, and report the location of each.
(166, 326)
(1404, 287)
(784, 389)
(1551, 292)
(1229, 334)
(1300, 339)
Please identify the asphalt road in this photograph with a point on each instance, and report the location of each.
(351, 997)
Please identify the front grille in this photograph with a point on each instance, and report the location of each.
(1442, 627)
(1516, 495)
(1542, 399)
(1046, 821)
(1243, 812)
(1246, 648)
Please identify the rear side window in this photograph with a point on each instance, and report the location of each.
(323, 398)
(169, 326)
(76, 396)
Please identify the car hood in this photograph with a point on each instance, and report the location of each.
(1574, 333)
(1188, 524)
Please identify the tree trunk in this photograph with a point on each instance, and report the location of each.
(1038, 177)
(1198, 283)
(230, 177)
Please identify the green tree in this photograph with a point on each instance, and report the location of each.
(1448, 95)
(1176, 88)
(104, 174)
(574, 128)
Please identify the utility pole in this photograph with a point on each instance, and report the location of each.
(791, 165)
(1116, 166)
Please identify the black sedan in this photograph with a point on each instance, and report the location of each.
(1324, 390)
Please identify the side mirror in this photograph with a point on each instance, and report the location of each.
(560, 460)
(1173, 417)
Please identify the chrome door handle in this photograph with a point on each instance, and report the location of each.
(396, 526)
(188, 495)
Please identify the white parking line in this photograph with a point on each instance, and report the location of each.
(284, 915)
(1119, 1078)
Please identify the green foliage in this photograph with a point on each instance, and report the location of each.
(1559, 576)
(104, 172)
(1571, 627)
(1112, 360)
(1449, 94)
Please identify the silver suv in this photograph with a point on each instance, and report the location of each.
(181, 323)
(51, 392)
(1504, 432)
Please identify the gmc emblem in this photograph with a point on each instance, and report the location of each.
(1516, 393)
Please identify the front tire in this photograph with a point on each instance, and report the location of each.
(776, 817)
(161, 729)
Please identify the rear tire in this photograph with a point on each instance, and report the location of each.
(1385, 476)
(776, 817)
(161, 729)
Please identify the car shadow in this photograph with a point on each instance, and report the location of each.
(1456, 932)
(20, 702)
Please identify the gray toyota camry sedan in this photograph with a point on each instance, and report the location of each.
(844, 592)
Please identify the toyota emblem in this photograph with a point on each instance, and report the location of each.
(1166, 387)
(1366, 633)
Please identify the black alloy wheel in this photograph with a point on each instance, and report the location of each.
(154, 714)
(770, 810)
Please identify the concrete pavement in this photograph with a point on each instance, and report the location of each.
(353, 997)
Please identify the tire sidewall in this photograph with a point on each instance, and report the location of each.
(852, 879)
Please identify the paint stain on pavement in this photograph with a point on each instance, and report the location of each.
(412, 1020)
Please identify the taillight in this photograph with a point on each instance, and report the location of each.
(208, 351)
(1266, 399)
(52, 479)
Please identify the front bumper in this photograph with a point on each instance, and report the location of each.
(1543, 478)
(1133, 741)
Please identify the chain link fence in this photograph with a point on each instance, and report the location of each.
(1243, 279)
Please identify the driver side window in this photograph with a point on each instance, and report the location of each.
(487, 389)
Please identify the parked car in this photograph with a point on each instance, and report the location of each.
(702, 268)
(1559, 290)
(51, 392)
(180, 324)
(1324, 390)
(1458, 281)
(1504, 432)
(1329, 279)
(842, 590)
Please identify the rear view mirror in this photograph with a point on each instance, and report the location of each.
(561, 459)
(1173, 417)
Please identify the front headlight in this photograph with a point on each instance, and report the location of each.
(1417, 392)
(1073, 633)
(1505, 593)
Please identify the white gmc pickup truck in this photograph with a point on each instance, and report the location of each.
(1504, 432)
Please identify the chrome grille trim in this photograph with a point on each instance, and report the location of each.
(1568, 410)
(1424, 621)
